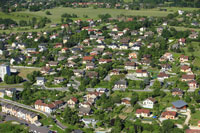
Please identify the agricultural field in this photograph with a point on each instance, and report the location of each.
(93, 13)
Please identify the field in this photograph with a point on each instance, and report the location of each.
(81, 12)
(195, 118)
(93, 13)
(24, 71)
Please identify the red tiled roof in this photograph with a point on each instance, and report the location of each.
(88, 58)
(188, 76)
(74, 99)
(192, 131)
(171, 113)
(139, 111)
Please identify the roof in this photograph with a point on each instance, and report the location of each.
(172, 113)
(40, 78)
(139, 111)
(152, 99)
(192, 131)
(179, 103)
(188, 76)
(86, 58)
(141, 71)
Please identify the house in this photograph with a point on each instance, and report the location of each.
(141, 73)
(88, 59)
(177, 92)
(182, 41)
(142, 113)
(194, 35)
(90, 66)
(52, 63)
(84, 111)
(168, 56)
(185, 68)
(89, 122)
(92, 74)
(63, 26)
(193, 85)
(40, 80)
(104, 61)
(123, 46)
(192, 131)
(48, 108)
(58, 80)
(72, 102)
(46, 70)
(64, 50)
(188, 77)
(121, 84)
(79, 73)
(113, 46)
(162, 76)
(130, 66)
(149, 103)
(179, 105)
(169, 115)
(126, 101)
(4, 70)
(2, 93)
(10, 91)
(180, 12)
(114, 72)
(132, 55)
(166, 67)
(92, 96)
(183, 58)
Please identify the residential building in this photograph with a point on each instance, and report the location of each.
(4, 69)
(142, 113)
(149, 103)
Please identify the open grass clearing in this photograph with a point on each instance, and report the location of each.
(24, 71)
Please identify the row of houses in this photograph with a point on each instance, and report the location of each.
(21, 113)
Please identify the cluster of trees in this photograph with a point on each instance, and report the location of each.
(32, 76)
(13, 79)
(7, 21)
(70, 116)
(67, 15)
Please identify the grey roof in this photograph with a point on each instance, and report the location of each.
(40, 78)
(179, 103)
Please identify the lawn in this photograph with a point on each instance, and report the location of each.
(195, 118)
(24, 71)
(4, 85)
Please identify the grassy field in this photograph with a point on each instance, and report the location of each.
(93, 13)
(24, 71)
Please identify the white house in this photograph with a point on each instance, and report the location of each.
(148, 103)
(40, 80)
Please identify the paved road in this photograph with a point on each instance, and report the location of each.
(188, 113)
(19, 89)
